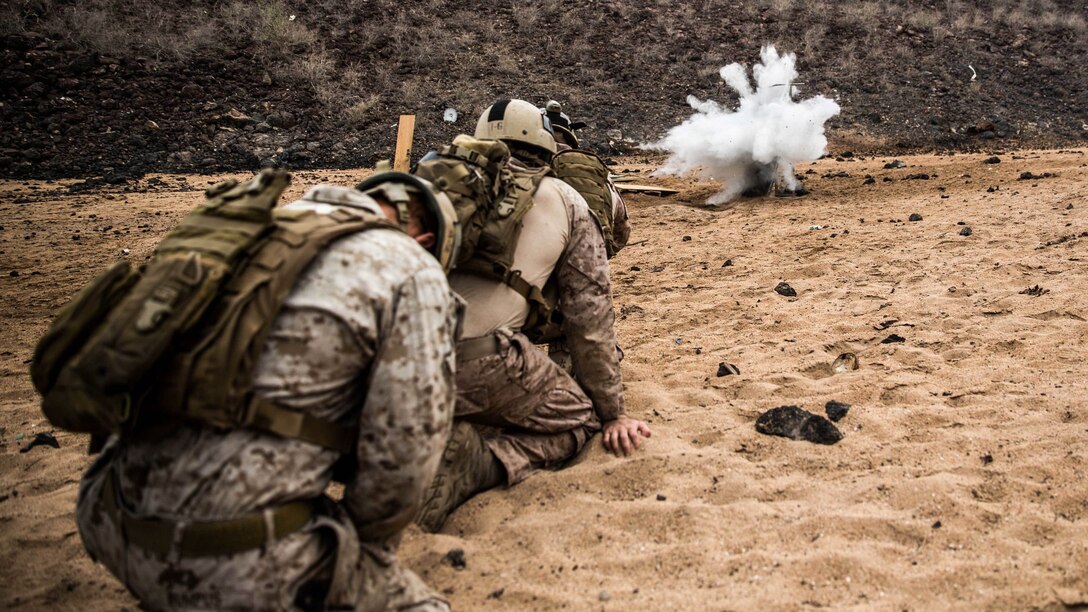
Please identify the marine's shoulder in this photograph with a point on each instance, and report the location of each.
(552, 186)
(388, 248)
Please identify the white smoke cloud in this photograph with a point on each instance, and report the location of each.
(768, 133)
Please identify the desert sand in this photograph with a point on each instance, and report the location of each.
(959, 483)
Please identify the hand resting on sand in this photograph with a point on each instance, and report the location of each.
(621, 436)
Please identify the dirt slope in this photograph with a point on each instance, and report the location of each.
(118, 88)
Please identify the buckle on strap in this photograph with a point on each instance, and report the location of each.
(271, 417)
(532, 294)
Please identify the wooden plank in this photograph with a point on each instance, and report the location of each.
(647, 189)
(402, 160)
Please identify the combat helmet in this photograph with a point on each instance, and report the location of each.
(562, 127)
(516, 121)
(553, 110)
(399, 188)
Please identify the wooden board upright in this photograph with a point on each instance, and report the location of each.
(402, 159)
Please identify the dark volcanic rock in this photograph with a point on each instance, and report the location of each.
(41, 439)
(456, 558)
(784, 288)
(727, 369)
(797, 424)
(836, 410)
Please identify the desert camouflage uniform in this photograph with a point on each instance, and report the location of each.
(366, 339)
(543, 415)
(621, 222)
(621, 234)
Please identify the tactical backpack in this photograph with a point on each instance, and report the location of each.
(179, 338)
(491, 200)
(588, 175)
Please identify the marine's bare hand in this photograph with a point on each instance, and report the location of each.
(622, 435)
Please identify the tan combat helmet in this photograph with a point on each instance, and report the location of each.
(399, 188)
(518, 121)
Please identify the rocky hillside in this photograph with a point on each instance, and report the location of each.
(117, 88)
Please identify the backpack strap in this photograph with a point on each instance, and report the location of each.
(271, 417)
(211, 381)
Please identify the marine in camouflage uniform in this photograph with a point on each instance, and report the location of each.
(565, 139)
(365, 339)
(527, 411)
(544, 416)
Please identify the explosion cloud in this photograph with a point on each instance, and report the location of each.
(757, 143)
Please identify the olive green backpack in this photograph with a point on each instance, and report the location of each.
(491, 200)
(588, 175)
(179, 338)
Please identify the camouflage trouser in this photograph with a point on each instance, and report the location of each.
(321, 566)
(540, 415)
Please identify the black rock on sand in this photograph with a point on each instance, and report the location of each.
(798, 424)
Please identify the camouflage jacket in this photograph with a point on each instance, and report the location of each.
(372, 322)
(585, 298)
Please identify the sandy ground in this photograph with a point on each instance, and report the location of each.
(959, 484)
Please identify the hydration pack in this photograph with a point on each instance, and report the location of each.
(491, 199)
(588, 175)
(179, 337)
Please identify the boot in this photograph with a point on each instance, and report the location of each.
(468, 467)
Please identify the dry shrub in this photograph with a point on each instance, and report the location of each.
(1017, 18)
(940, 34)
(409, 89)
(847, 58)
(314, 69)
(341, 93)
(1057, 20)
(923, 20)
(180, 36)
(268, 27)
(92, 28)
(106, 27)
(526, 15)
(14, 16)
(275, 27)
(813, 40)
(362, 112)
(866, 14)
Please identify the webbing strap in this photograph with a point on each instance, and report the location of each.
(273, 418)
(203, 538)
(527, 290)
(466, 154)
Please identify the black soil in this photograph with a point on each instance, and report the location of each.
(112, 89)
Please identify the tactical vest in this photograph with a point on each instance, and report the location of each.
(588, 175)
(179, 338)
(491, 199)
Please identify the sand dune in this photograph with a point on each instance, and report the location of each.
(959, 483)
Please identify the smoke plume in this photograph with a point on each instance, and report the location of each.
(757, 143)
